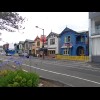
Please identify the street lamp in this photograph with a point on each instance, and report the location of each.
(43, 39)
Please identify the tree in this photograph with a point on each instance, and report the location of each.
(12, 19)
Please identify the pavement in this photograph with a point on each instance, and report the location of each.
(72, 73)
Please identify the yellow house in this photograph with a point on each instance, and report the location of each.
(37, 45)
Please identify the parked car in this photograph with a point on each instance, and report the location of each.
(9, 54)
(3, 53)
(24, 54)
(20, 54)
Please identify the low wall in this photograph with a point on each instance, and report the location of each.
(78, 58)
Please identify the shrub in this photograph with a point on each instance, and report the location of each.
(18, 78)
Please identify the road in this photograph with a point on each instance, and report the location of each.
(72, 73)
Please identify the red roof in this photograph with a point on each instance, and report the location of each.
(41, 38)
(36, 38)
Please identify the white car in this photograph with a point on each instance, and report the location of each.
(24, 54)
(3, 53)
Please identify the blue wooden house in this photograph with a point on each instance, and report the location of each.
(74, 43)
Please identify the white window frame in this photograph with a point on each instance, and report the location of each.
(66, 51)
(52, 43)
(66, 39)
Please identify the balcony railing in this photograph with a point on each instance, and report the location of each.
(97, 33)
(79, 42)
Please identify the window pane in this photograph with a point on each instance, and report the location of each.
(52, 41)
(38, 43)
(68, 38)
(64, 51)
(65, 39)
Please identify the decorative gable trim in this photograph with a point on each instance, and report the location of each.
(52, 33)
(67, 30)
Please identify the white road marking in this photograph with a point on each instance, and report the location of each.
(90, 68)
(62, 74)
(59, 81)
(76, 67)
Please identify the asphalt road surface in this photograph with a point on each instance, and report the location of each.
(72, 73)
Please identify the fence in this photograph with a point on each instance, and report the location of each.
(78, 58)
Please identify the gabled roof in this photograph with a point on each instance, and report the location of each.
(27, 40)
(67, 30)
(36, 38)
(82, 32)
(53, 33)
(21, 42)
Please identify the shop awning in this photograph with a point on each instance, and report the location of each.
(66, 47)
(51, 48)
(41, 49)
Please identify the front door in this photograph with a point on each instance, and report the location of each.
(80, 51)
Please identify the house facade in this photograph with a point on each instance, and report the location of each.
(73, 43)
(28, 46)
(21, 46)
(94, 36)
(53, 44)
(6, 46)
(37, 45)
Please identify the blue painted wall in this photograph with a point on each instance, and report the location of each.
(75, 45)
(62, 40)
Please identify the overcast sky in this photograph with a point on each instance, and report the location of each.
(55, 21)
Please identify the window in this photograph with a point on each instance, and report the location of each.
(67, 39)
(97, 28)
(52, 52)
(38, 43)
(82, 39)
(66, 51)
(26, 45)
(52, 41)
